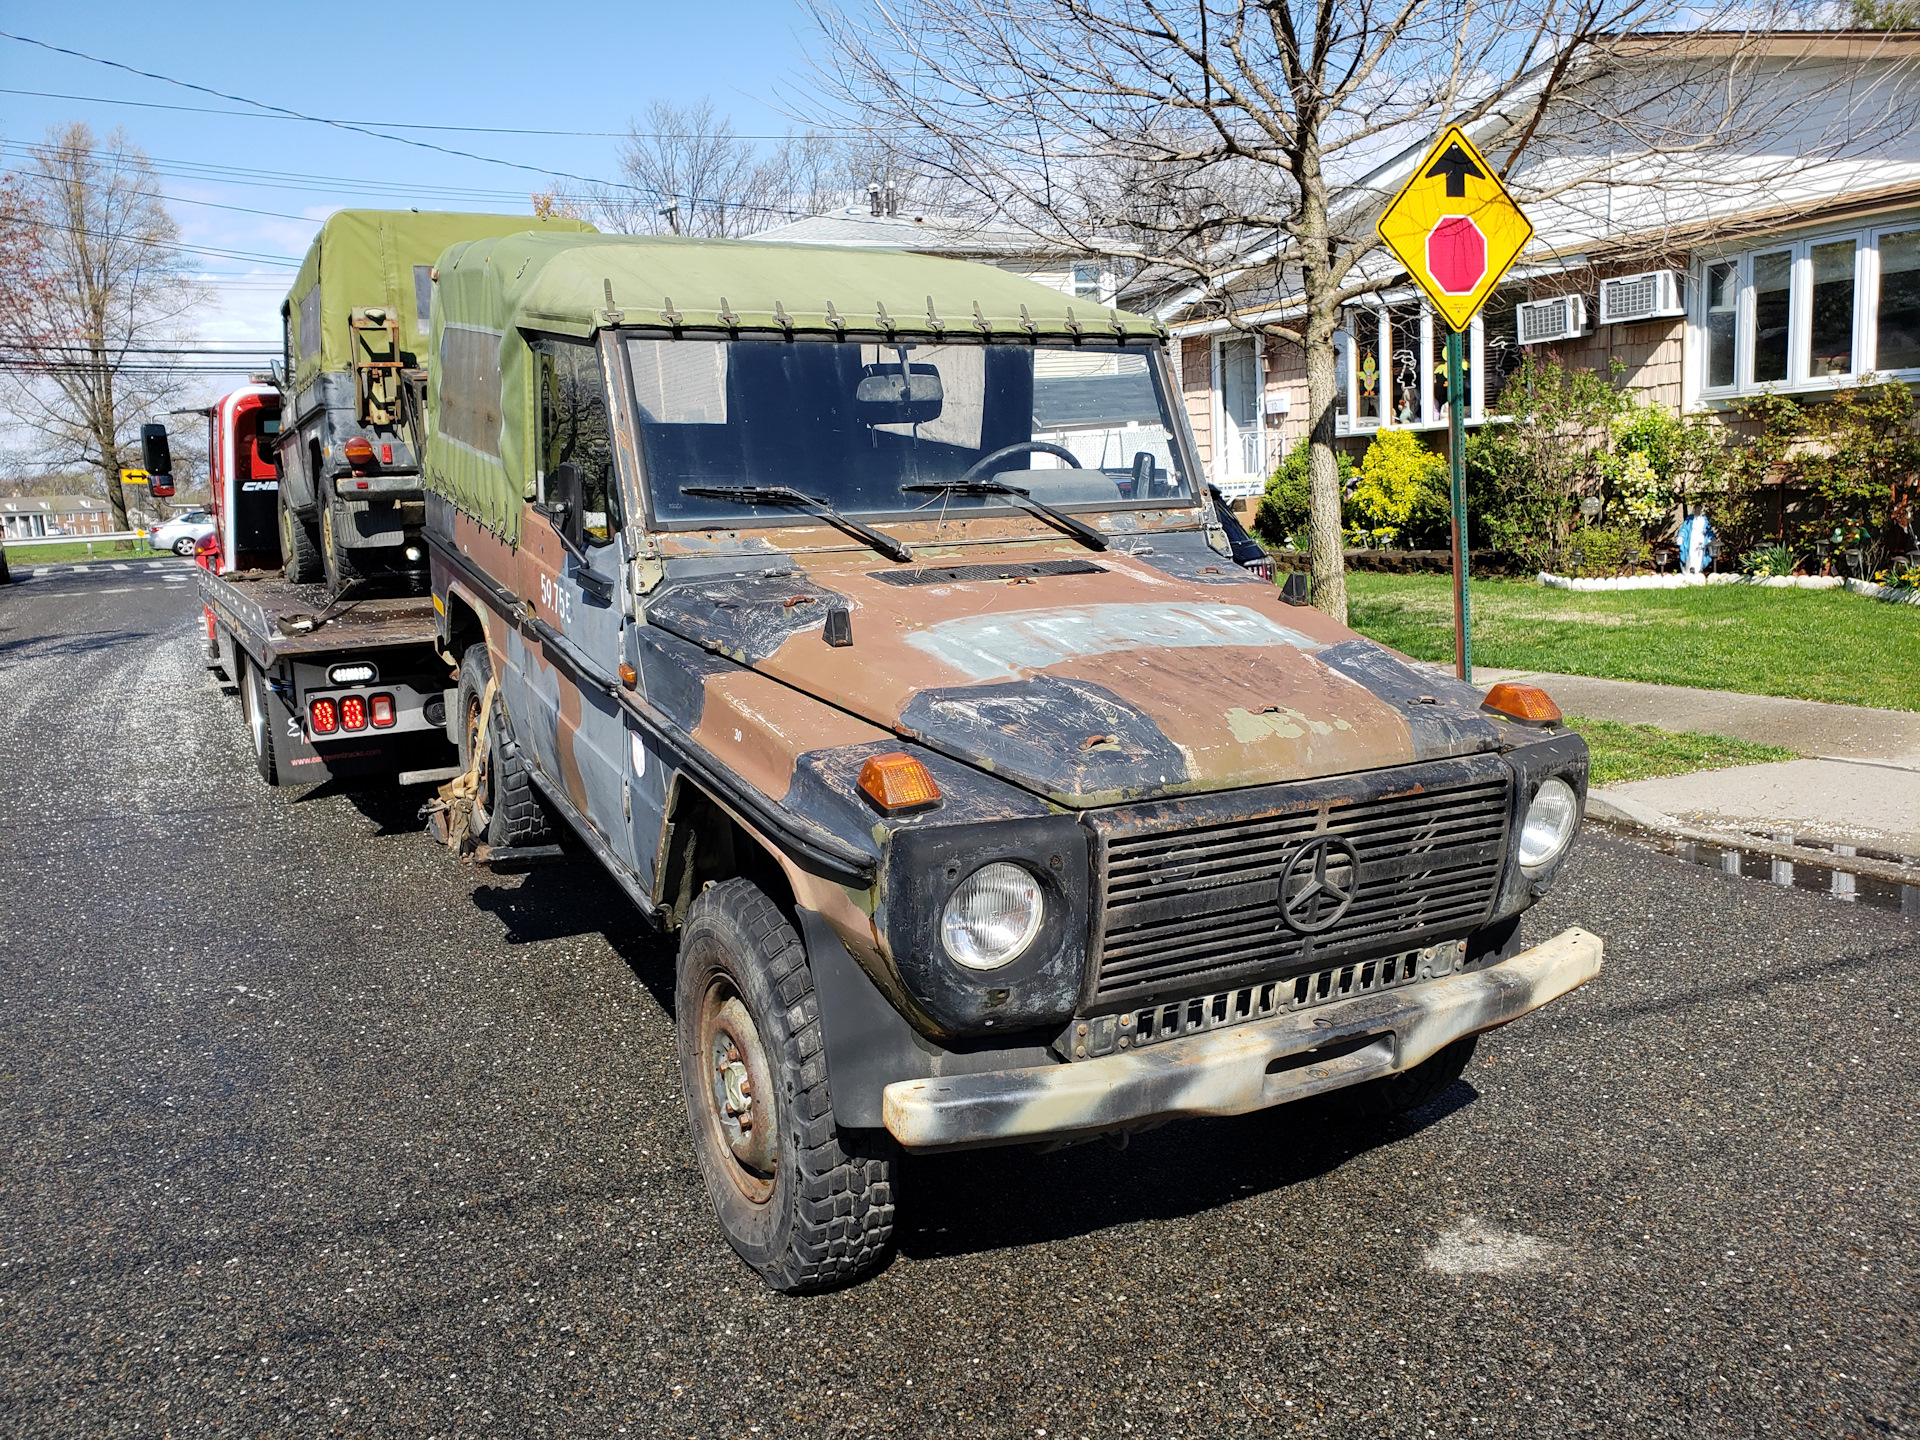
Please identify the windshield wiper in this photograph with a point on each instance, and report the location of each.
(786, 498)
(1085, 534)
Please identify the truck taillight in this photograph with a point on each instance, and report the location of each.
(353, 713)
(381, 708)
(359, 452)
(323, 717)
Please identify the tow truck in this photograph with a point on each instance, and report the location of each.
(331, 688)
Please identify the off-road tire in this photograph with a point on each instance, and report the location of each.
(508, 810)
(257, 709)
(299, 552)
(1426, 1082)
(343, 576)
(828, 1221)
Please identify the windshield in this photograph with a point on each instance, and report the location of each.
(853, 423)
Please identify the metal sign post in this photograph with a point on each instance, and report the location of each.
(1457, 465)
(1457, 230)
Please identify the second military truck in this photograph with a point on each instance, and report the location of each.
(865, 615)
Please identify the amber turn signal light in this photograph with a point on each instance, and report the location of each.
(1528, 704)
(359, 452)
(629, 676)
(898, 782)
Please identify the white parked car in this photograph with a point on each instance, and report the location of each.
(182, 533)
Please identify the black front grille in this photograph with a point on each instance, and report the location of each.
(1190, 889)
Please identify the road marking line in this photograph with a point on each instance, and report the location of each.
(117, 590)
(174, 579)
(118, 566)
(156, 564)
(81, 569)
(43, 570)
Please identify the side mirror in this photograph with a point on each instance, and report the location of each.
(898, 395)
(565, 500)
(157, 460)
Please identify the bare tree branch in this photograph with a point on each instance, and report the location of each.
(105, 283)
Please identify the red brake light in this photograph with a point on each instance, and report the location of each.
(323, 717)
(381, 707)
(353, 713)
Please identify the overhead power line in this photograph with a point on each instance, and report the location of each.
(181, 245)
(404, 125)
(353, 127)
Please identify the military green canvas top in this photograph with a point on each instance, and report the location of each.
(575, 284)
(492, 293)
(365, 258)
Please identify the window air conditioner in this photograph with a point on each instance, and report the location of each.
(1649, 296)
(1562, 318)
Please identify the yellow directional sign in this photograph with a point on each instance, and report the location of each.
(1455, 227)
(133, 477)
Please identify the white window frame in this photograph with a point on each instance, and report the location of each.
(1432, 340)
(1233, 483)
(1866, 311)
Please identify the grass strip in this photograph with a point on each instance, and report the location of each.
(1809, 644)
(1624, 752)
(25, 557)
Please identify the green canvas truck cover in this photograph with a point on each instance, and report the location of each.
(480, 453)
(367, 257)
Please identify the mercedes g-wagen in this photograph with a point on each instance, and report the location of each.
(865, 615)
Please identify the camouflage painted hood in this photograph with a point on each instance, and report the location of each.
(1088, 678)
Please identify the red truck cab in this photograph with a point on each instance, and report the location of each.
(243, 475)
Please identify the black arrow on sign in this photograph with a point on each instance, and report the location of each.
(1456, 165)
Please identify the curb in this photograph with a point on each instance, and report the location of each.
(1631, 815)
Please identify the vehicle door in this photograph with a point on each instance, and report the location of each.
(573, 554)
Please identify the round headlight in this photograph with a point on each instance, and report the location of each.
(992, 916)
(1549, 826)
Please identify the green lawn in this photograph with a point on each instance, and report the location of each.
(1640, 752)
(25, 557)
(1812, 644)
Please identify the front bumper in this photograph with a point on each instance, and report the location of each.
(1249, 1067)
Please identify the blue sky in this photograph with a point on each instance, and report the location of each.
(576, 65)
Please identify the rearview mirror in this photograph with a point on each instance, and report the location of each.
(889, 395)
(157, 460)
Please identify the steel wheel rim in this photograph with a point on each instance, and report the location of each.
(737, 1084)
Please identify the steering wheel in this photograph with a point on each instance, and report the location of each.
(1019, 447)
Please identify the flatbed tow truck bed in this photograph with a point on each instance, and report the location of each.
(332, 687)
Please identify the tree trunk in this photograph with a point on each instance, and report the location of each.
(1323, 473)
(107, 432)
(1323, 465)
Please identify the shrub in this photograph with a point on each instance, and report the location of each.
(1657, 456)
(1768, 561)
(1283, 516)
(1402, 486)
(1851, 455)
(1606, 550)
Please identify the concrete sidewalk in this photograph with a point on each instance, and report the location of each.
(1809, 727)
(1859, 786)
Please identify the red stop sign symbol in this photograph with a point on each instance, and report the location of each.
(1456, 254)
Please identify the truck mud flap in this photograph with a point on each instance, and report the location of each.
(298, 763)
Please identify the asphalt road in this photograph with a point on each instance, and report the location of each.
(306, 1129)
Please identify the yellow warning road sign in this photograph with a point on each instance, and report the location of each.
(133, 477)
(1455, 227)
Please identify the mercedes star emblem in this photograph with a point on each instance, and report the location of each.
(1319, 884)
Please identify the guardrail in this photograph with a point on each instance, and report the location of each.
(109, 536)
